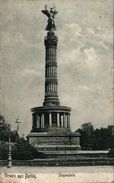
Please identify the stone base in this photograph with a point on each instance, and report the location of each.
(50, 143)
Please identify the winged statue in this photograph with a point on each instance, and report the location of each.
(51, 18)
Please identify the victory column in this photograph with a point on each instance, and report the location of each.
(51, 132)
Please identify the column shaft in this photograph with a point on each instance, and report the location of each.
(50, 119)
(58, 121)
(42, 121)
(64, 120)
(38, 122)
(68, 121)
(61, 120)
(51, 41)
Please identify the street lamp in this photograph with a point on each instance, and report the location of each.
(9, 152)
(9, 144)
(18, 124)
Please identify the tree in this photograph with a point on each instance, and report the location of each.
(21, 149)
(24, 151)
(87, 139)
(95, 139)
(103, 138)
(4, 129)
(2, 120)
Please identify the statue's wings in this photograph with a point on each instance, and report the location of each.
(46, 12)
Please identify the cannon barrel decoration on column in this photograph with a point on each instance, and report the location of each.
(51, 133)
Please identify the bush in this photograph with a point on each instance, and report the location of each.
(3, 151)
(25, 151)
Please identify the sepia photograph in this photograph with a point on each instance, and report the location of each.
(56, 91)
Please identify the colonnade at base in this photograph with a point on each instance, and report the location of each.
(51, 119)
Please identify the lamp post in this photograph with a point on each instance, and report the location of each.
(9, 152)
(18, 124)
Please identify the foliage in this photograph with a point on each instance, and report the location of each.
(21, 149)
(103, 138)
(3, 151)
(87, 139)
(2, 120)
(95, 139)
(4, 132)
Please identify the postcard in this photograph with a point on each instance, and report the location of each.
(56, 91)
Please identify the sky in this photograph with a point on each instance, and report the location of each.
(84, 57)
